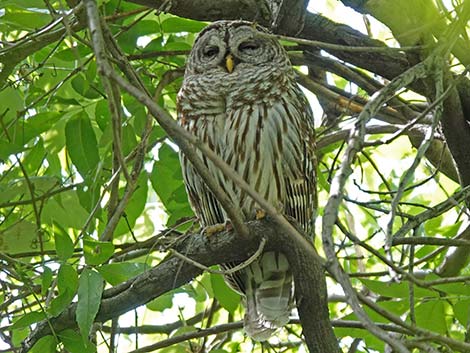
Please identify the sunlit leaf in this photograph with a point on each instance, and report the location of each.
(67, 285)
(81, 143)
(32, 127)
(116, 273)
(97, 252)
(167, 181)
(46, 344)
(46, 280)
(226, 296)
(393, 289)
(434, 309)
(63, 244)
(28, 319)
(74, 342)
(161, 303)
(462, 311)
(89, 297)
(178, 24)
(85, 88)
(135, 206)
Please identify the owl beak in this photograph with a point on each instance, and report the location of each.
(229, 63)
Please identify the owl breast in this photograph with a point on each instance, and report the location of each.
(252, 118)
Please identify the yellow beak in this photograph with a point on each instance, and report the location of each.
(229, 63)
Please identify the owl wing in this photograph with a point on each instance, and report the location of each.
(202, 201)
(299, 157)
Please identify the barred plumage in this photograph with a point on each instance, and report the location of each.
(239, 96)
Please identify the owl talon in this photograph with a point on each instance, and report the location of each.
(260, 214)
(216, 228)
(212, 229)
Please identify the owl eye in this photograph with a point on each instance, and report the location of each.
(248, 46)
(210, 51)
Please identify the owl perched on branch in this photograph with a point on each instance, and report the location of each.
(240, 97)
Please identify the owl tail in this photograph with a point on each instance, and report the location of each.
(268, 295)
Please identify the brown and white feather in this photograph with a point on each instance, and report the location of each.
(259, 121)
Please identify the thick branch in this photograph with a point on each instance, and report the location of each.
(456, 260)
(223, 247)
(457, 132)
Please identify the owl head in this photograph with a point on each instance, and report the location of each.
(233, 46)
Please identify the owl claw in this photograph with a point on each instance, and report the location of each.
(260, 214)
(216, 228)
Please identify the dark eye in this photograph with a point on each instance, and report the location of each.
(210, 51)
(248, 46)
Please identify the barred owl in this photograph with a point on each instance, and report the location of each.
(240, 97)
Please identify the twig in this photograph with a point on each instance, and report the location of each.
(409, 172)
(239, 324)
(336, 194)
(230, 271)
(156, 54)
(435, 211)
(41, 197)
(427, 335)
(346, 48)
(429, 241)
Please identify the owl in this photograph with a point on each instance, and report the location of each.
(240, 97)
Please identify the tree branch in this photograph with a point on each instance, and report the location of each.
(209, 251)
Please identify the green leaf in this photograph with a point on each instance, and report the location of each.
(67, 278)
(102, 115)
(119, 272)
(81, 143)
(59, 303)
(83, 87)
(178, 24)
(462, 311)
(431, 315)
(19, 335)
(167, 181)
(46, 280)
(23, 19)
(46, 344)
(90, 290)
(451, 230)
(176, 348)
(74, 342)
(67, 285)
(65, 210)
(72, 54)
(18, 238)
(63, 244)
(228, 298)
(129, 140)
(33, 126)
(8, 148)
(33, 159)
(19, 188)
(128, 39)
(154, 45)
(397, 290)
(28, 319)
(97, 252)
(161, 303)
(135, 206)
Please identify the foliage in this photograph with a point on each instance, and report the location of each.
(80, 203)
